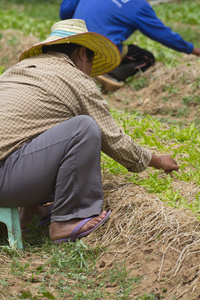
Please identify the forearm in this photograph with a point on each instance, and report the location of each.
(155, 161)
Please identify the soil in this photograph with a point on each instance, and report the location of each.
(168, 92)
(159, 244)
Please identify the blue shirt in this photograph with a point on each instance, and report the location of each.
(67, 8)
(118, 19)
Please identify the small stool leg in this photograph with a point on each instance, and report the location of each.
(10, 216)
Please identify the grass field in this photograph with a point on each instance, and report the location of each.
(153, 213)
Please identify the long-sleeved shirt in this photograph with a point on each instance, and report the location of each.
(118, 19)
(45, 90)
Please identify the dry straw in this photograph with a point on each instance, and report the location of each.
(140, 219)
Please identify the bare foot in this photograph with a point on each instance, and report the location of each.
(26, 213)
(59, 230)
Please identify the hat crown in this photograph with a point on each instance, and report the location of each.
(71, 26)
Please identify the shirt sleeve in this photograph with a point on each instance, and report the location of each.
(148, 23)
(115, 143)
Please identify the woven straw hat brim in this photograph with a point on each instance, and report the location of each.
(106, 55)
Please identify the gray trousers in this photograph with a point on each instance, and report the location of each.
(64, 162)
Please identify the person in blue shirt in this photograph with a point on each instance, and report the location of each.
(117, 20)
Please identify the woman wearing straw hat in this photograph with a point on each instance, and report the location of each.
(54, 124)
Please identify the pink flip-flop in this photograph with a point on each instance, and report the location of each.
(74, 236)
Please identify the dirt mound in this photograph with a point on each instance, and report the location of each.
(160, 244)
(171, 92)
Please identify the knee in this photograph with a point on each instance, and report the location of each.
(90, 126)
(81, 125)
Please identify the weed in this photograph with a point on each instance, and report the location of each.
(119, 274)
(194, 99)
(137, 83)
(171, 89)
(150, 297)
(165, 98)
(196, 84)
(183, 112)
(18, 268)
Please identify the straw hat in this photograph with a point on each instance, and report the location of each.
(106, 55)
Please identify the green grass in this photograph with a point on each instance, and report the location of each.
(181, 142)
(32, 17)
(183, 11)
(70, 269)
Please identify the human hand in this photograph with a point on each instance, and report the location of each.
(165, 162)
(196, 51)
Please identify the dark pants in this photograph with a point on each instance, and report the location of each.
(63, 161)
(137, 59)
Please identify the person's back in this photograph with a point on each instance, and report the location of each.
(24, 82)
(114, 19)
(117, 20)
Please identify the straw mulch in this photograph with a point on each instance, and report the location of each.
(159, 243)
(166, 88)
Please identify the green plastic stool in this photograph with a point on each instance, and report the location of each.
(10, 217)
